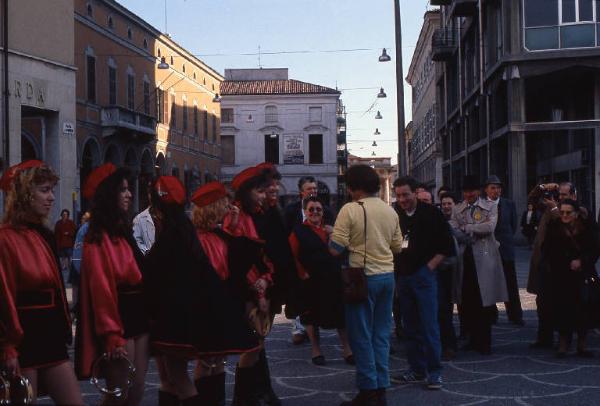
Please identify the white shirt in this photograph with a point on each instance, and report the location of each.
(143, 231)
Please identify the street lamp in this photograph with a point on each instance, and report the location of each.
(163, 63)
(377, 132)
(381, 94)
(378, 116)
(374, 144)
(373, 153)
(217, 98)
(384, 56)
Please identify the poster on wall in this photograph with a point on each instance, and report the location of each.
(293, 149)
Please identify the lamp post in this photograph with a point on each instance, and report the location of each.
(402, 170)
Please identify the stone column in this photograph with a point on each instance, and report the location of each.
(596, 171)
(517, 151)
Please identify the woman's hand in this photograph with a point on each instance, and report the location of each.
(576, 265)
(328, 229)
(11, 366)
(118, 352)
(261, 285)
(263, 305)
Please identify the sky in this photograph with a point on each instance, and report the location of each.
(219, 32)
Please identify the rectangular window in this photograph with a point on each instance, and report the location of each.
(228, 149)
(215, 128)
(540, 13)
(130, 92)
(205, 125)
(147, 98)
(173, 123)
(270, 114)
(160, 105)
(568, 11)
(185, 115)
(577, 36)
(196, 120)
(272, 149)
(91, 79)
(586, 10)
(112, 86)
(315, 114)
(315, 149)
(227, 116)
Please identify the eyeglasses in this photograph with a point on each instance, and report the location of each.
(566, 212)
(315, 209)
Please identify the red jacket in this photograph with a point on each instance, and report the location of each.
(27, 264)
(105, 267)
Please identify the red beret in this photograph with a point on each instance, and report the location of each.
(95, 178)
(244, 176)
(266, 166)
(209, 193)
(10, 174)
(170, 190)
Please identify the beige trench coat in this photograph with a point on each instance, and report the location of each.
(477, 230)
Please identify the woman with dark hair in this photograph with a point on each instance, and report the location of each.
(34, 319)
(369, 322)
(112, 319)
(570, 244)
(320, 289)
(231, 259)
(250, 196)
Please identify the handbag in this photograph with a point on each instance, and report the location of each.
(354, 280)
(590, 290)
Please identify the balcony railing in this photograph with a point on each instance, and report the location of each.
(440, 2)
(443, 44)
(463, 8)
(121, 120)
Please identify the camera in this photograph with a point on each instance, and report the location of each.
(551, 195)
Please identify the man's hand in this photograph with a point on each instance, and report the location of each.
(550, 204)
(576, 265)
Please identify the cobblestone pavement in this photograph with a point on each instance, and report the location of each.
(512, 375)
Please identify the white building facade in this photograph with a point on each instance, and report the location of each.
(267, 117)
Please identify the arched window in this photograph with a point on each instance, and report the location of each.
(90, 11)
(183, 68)
(111, 23)
(158, 52)
(145, 43)
(171, 60)
(129, 33)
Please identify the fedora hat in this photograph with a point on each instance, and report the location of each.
(492, 180)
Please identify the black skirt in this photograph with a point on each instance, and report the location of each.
(322, 301)
(132, 311)
(45, 329)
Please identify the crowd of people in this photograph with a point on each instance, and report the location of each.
(199, 276)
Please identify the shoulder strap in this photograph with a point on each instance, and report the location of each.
(365, 216)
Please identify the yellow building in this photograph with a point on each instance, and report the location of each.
(133, 110)
(384, 168)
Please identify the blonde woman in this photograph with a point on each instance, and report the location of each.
(35, 327)
(237, 262)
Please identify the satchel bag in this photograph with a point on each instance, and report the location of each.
(354, 280)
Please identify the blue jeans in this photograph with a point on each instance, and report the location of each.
(419, 307)
(369, 326)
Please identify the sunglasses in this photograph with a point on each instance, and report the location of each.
(315, 209)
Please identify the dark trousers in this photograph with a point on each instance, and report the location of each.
(513, 306)
(476, 317)
(446, 309)
(543, 302)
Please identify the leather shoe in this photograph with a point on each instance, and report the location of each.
(364, 398)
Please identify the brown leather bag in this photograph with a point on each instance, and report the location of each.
(354, 280)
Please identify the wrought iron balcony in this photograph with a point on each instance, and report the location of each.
(443, 44)
(463, 8)
(124, 121)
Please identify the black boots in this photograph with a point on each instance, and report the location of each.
(167, 399)
(263, 377)
(211, 390)
(245, 390)
(367, 398)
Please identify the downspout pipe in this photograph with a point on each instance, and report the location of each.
(5, 85)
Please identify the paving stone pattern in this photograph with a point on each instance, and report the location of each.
(512, 375)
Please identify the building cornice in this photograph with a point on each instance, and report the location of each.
(40, 59)
(429, 20)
